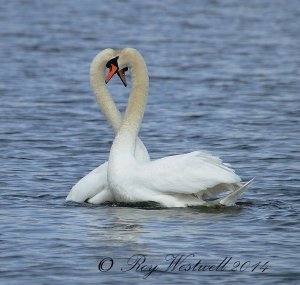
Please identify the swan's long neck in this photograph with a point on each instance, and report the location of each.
(134, 113)
(103, 97)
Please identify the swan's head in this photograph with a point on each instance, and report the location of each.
(124, 59)
(113, 66)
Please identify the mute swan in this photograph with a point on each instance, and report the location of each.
(93, 187)
(174, 181)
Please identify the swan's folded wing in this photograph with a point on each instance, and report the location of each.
(189, 173)
(90, 185)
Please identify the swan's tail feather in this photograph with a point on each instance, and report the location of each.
(231, 198)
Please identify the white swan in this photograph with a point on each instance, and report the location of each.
(174, 181)
(93, 187)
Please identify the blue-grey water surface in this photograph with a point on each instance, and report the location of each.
(224, 77)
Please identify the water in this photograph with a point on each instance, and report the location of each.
(224, 77)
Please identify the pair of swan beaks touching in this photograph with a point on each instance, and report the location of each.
(191, 179)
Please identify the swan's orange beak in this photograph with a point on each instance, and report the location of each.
(122, 76)
(112, 71)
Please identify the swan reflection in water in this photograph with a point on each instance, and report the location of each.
(140, 229)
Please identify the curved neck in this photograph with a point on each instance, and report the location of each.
(136, 103)
(100, 90)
